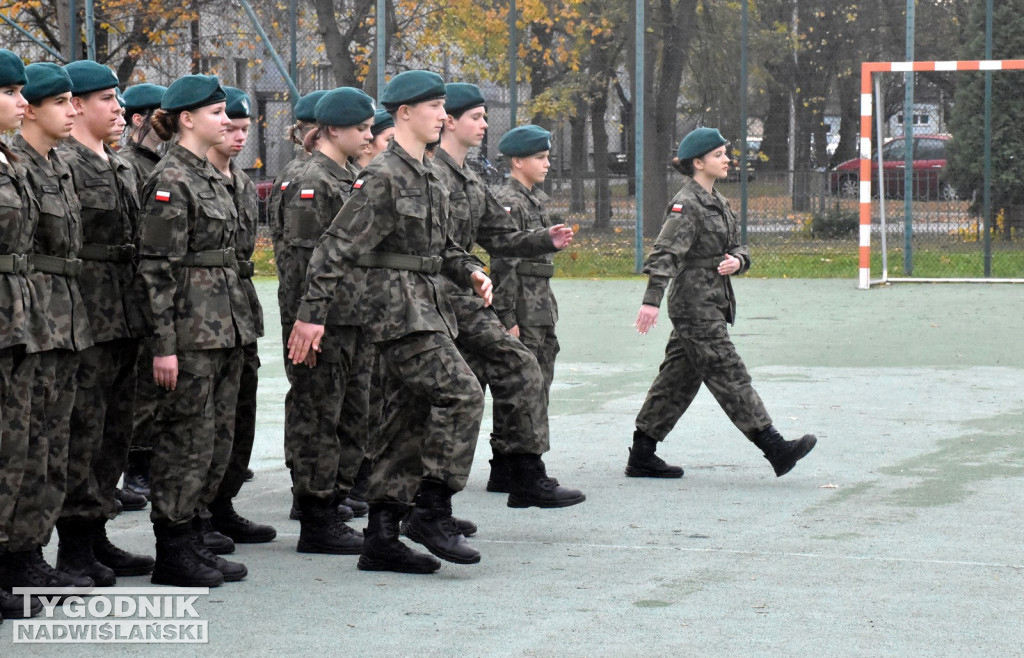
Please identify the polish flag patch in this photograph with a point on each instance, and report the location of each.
(163, 196)
(677, 207)
(508, 209)
(358, 185)
(306, 194)
(284, 185)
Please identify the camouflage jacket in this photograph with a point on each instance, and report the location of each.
(187, 213)
(314, 196)
(19, 215)
(58, 234)
(700, 228)
(141, 159)
(398, 206)
(243, 191)
(108, 193)
(281, 183)
(522, 299)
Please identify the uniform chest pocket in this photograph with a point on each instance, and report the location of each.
(413, 207)
(98, 193)
(459, 203)
(534, 220)
(714, 222)
(52, 204)
(9, 194)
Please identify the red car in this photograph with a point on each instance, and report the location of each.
(929, 162)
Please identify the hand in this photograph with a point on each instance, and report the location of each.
(482, 287)
(561, 236)
(304, 336)
(310, 359)
(731, 265)
(165, 371)
(646, 319)
(514, 331)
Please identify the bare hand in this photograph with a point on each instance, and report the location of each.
(165, 371)
(561, 236)
(482, 287)
(514, 331)
(304, 336)
(646, 319)
(731, 265)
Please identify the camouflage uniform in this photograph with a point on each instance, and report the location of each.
(101, 421)
(699, 230)
(243, 191)
(58, 333)
(142, 160)
(19, 215)
(522, 287)
(201, 314)
(396, 225)
(326, 426)
(499, 359)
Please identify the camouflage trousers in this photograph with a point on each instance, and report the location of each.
(701, 353)
(16, 370)
(41, 495)
(245, 424)
(510, 369)
(326, 425)
(147, 395)
(433, 404)
(192, 434)
(101, 428)
(544, 345)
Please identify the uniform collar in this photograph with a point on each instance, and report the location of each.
(706, 198)
(38, 161)
(536, 195)
(188, 157)
(445, 157)
(143, 150)
(338, 171)
(422, 168)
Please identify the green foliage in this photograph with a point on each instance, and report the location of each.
(836, 222)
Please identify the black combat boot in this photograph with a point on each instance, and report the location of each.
(176, 562)
(249, 475)
(235, 526)
(29, 569)
(120, 561)
(498, 482)
(130, 501)
(430, 523)
(74, 552)
(782, 454)
(346, 512)
(12, 606)
(383, 551)
(217, 543)
(323, 531)
(465, 526)
(232, 571)
(643, 463)
(359, 507)
(136, 472)
(531, 486)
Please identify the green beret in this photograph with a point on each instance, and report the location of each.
(238, 103)
(344, 106)
(45, 79)
(192, 91)
(461, 97)
(411, 87)
(382, 120)
(699, 142)
(87, 75)
(525, 140)
(305, 109)
(142, 97)
(12, 69)
(120, 98)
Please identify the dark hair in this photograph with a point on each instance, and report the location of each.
(8, 153)
(685, 167)
(312, 137)
(142, 131)
(165, 123)
(299, 130)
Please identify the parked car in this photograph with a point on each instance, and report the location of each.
(929, 163)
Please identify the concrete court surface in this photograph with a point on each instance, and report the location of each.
(899, 535)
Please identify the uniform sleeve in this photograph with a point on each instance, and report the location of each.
(459, 264)
(361, 225)
(163, 243)
(500, 236)
(666, 259)
(506, 278)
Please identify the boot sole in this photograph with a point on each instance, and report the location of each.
(498, 488)
(133, 508)
(412, 534)
(320, 549)
(159, 579)
(137, 571)
(251, 539)
(521, 503)
(234, 578)
(369, 564)
(632, 472)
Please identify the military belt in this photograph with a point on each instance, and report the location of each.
(69, 267)
(212, 258)
(425, 264)
(711, 263)
(122, 253)
(530, 268)
(246, 268)
(15, 264)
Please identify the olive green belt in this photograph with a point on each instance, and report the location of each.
(15, 264)
(530, 268)
(69, 267)
(246, 268)
(121, 253)
(711, 263)
(212, 258)
(425, 264)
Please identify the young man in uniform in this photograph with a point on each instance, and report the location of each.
(396, 226)
(101, 422)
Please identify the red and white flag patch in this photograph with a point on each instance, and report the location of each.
(284, 185)
(163, 196)
(358, 185)
(677, 207)
(306, 194)
(508, 209)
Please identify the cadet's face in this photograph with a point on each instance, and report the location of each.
(471, 127)
(380, 142)
(351, 140)
(715, 164)
(535, 167)
(99, 112)
(55, 116)
(119, 125)
(236, 135)
(426, 119)
(210, 123)
(12, 107)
